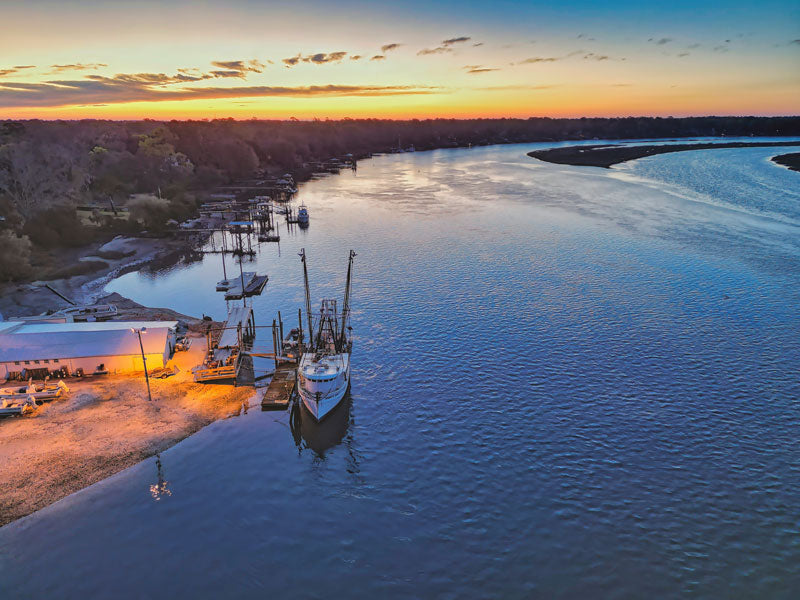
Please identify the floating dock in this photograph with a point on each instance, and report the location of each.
(280, 390)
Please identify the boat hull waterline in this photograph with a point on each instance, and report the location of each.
(321, 397)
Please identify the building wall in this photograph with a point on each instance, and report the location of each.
(128, 363)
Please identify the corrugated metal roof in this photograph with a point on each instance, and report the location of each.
(4, 325)
(79, 344)
(28, 328)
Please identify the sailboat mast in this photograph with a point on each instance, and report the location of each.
(308, 298)
(346, 305)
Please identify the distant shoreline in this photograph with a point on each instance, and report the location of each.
(790, 161)
(606, 156)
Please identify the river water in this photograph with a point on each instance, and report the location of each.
(567, 383)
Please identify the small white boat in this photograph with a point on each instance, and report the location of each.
(37, 392)
(95, 312)
(324, 369)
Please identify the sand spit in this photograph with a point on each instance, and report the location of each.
(103, 426)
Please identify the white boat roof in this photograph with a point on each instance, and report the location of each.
(325, 367)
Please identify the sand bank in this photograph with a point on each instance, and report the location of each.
(103, 426)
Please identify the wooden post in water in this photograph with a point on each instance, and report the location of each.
(275, 342)
(300, 328)
(280, 330)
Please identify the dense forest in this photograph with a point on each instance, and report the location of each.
(47, 168)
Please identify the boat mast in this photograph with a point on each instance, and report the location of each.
(346, 305)
(308, 298)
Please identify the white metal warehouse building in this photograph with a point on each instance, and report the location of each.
(111, 346)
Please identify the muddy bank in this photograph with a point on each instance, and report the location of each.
(790, 161)
(607, 156)
(114, 258)
(103, 426)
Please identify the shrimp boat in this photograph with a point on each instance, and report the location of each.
(37, 392)
(324, 370)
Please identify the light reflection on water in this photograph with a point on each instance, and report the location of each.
(564, 384)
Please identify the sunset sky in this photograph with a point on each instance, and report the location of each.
(408, 59)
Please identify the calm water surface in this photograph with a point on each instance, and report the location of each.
(568, 382)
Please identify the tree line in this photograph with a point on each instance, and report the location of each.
(49, 167)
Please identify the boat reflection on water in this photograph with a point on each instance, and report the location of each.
(160, 489)
(323, 435)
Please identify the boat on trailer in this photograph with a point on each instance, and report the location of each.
(17, 407)
(44, 391)
(324, 369)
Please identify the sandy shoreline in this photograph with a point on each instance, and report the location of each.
(104, 424)
(606, 156)
(32, 298)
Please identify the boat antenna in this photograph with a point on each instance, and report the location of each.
(346, 305)
(308, 298)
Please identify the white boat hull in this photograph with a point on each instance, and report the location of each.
(319, 400)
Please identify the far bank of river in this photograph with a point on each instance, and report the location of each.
(606, 156)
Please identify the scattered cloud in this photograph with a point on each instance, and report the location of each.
(15, 69)
(593, 56)
(378, 57)
(481, 70)
(150, 87)
(660, 41)
(476, 44)
(446, 46)
(237, 68)
(797, 41)
(389, 47)
(693, 46)
(720, 49)
(356, 57)
(77, 67)
(621, 84)
(684, 54)
(320, 58)
(539, 59)
(437, 50)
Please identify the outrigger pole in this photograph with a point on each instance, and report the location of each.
(346, 306)
(308, 298)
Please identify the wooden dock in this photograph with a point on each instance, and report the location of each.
(280, 390)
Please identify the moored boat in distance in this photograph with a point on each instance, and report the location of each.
(324, 369)
(302, 215)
